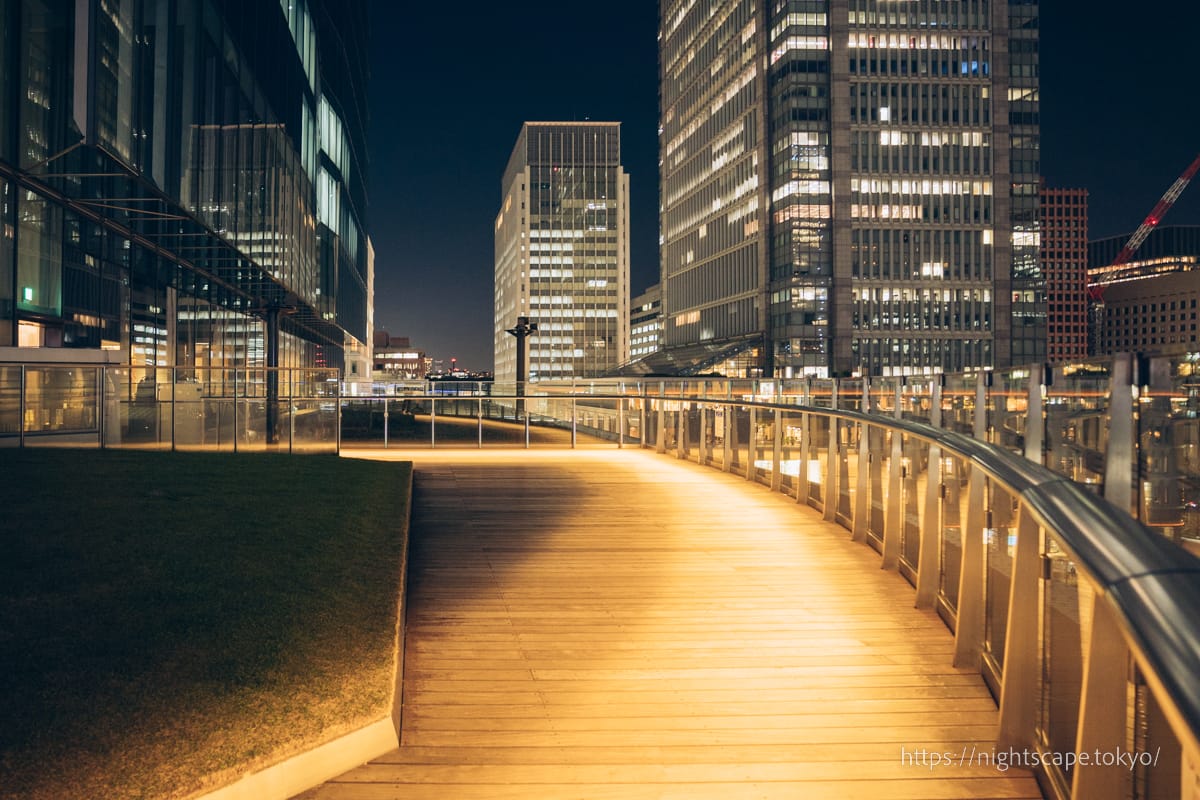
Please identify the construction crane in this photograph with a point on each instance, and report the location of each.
(1096, 291)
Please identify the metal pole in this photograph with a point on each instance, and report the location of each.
(574, 421)
(21, 410)
(386, 426)
(174, 409)
(479, 419)
(235, 413)
(101, 405)
(620, 423)
(432, 422)
(338, 434)
(291, 410)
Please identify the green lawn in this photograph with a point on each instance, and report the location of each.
(166, 617)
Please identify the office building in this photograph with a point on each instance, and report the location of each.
(645, 323)
(1064, 229)
(183, 183)
(562, 252)
(851, 186)
(1151, 302)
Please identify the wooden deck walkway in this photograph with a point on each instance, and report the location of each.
(614, 624)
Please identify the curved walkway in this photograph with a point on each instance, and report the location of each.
(616, 624)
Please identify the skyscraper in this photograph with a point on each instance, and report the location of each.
(180, 180)
(851, 185)
(562, 251)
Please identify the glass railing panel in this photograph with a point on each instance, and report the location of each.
(739, 439)
(136, 420)
(883, 395)
(847, 435)
(958, 403)
(818, 459)
(452, 422)
(1169, 449)
(850, 394)
(712, 446)
(635, 422)
(62, 406)
(916, 400)
(10, 406)
(1000, 543)
(1063, 623)
(914, 474)
(820, 393)
(791, 462)
(502, 422)
(550, 421)
(1008, 409)
(1076, 422)
(673, 412)
(363, 421)
(251, 430)
(953, 507)
(879, 445)
(762, 445)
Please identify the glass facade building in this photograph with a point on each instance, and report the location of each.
(854, 181)
(179, 177)
(562, 251)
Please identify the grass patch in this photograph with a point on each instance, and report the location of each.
(167, 620)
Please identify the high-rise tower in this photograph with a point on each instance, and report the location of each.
(851, 185)
(562, 251)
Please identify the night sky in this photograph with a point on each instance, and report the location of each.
(452, 83)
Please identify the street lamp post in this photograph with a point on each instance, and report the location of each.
(521, 330)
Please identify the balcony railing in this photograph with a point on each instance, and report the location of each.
(1007, 500)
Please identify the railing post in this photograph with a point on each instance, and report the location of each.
(777, 450)
(751, 442)
(432, 421)
(802, 489)
(862, 493)
(291, 373)
(1022, 661)
(727, 445)
(1035, 420)
(968, 632)
(832, 490)
(387, 427)
(660, 445)
(21, 402)
(526, 416)
(893, 521)
(174, 408)
(1101, 704)
(235, 414)
(621, 422)
(681, 430)
(928, 566)
(1120, 460)
(101, 405)
(479, 420)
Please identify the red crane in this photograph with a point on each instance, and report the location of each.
(1159, 211)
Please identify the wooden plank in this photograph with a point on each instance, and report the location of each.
(612, 624)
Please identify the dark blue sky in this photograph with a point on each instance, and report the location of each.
(451, 85)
